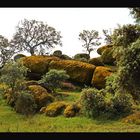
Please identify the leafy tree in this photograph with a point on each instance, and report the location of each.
(125, 35)
(35, 36)
(90, 39)
(6, 52)
(135, 12)
(53, 78)
(13, 74)
(107, 35)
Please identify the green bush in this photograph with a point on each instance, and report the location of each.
(54, 78)
(93, 102)
(25, 104)
(122, 103)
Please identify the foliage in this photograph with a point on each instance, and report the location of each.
(129, 70)
(18, 56)
(13, 74)
(107, 35)
(53, 78)
(122, 103)
(35, 37)
(25, 104)
(135, 12)
(93, 102)
(126, 34)
(6, 51)
(78, 71)
(96, 61)
(90, 39)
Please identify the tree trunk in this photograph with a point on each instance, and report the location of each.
(32, 51)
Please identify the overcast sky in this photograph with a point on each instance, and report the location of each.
(70, 21)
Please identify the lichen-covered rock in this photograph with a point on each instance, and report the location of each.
(101, 49)
(57, 53)
(38, 64)
(55, 109)
(107, 56)
(18, 56)
(78, 71)
(65, 57)
(71, 110)
(42, 97)
(99, 76)
(96, 61)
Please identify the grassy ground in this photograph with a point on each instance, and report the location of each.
(10, 121)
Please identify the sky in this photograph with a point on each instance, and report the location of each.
(70, 21)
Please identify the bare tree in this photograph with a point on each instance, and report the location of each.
(90, 39)
(6, 51)
(107, 35)
(35, 37)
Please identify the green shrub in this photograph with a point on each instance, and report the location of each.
(25, 104)
(93, 102)
(96, 61)
(122, 103)
(54, 78)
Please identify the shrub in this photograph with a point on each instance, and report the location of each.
(55, 109)
(103, 48)
(71, 110)
(81, 55)
(19, 56)
(122, 103)
(93, 102)
(96, 61)
(78, 71)
(54, 78)
(25, 103)
(99, 76)
(41, 96)
(57, 53)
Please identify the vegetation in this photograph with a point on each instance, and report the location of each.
(35, 37)
(90, 39)
(53, 78)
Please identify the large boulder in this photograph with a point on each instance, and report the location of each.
(38, 65)
(81, 55)
(96, 61)
(107, 56)
(41, 96)
(18, 56)
(99, 76)
(78, 71)
(101, 49)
